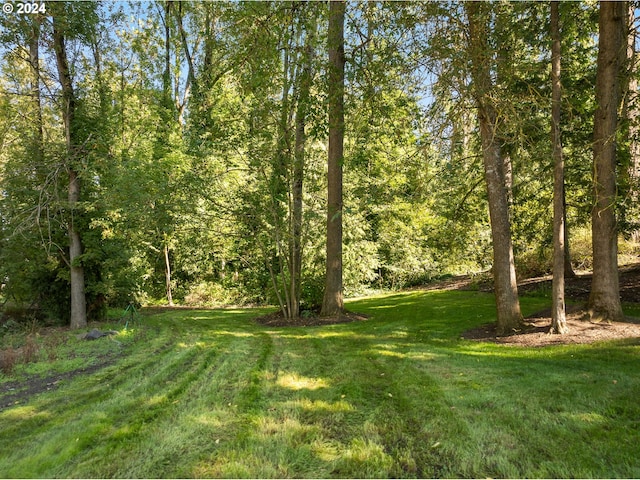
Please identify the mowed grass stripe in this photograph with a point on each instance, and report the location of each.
(93, 409)
(94, 416)
(205, 411)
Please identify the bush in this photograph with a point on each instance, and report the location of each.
(534, 263)
(212, 294)
(8, 360)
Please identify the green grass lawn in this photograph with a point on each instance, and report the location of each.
(213, 394)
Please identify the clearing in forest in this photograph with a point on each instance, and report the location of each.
(213, 393)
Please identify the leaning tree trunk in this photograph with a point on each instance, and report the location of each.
(508, 305)
(604, 300)
(558, 314)
(333, 303)
(78, 299)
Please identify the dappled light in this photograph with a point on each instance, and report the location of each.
(294, 381)
(18, 412)
(414, 355)
(319, 405)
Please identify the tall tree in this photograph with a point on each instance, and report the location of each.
(333, 303)
(73, 147)
(480, 55)
(34, 63)
(559, 321)
(604, 300)
(631, 129)
(304, 87)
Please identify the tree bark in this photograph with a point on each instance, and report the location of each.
(506, 289)
(604, 300)
(77, 284)
(34, 62)
(568, 267)
(333, 303)
(167, 275)
(298, 175)
(630, 114)
(558, 314)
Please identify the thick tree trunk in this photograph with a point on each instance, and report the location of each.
(604, 301)
(78, 299)
(508, 306)
(558, 315)
(333, 303)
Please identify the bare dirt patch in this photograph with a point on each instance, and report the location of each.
(17, 392)
(535, 332)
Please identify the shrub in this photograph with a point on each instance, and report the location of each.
(30, 350)
(8, 360)
(212, 294)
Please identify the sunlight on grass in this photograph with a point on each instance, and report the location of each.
(321, 405)
(591, 418)
(389, 351)
(209, 419)
(155, 400)
(294, 381)
(290, 429)
(326, 450)
(363, 459)
(323, 333)
(197, 344)
(233, 334)
(23, 413)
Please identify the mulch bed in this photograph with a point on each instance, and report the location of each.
(535, 332)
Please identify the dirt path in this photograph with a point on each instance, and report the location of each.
(17, 392)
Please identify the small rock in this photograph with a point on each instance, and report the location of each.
(94, 334)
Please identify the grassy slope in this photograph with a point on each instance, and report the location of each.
(212, 394)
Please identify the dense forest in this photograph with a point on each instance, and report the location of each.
(293, 152)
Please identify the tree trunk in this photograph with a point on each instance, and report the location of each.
(558, 315)
(78, 300)
(34, 62)
(298, 176)
(604, 301)
(568, 267)
(333, 303)
(630, 115)
(508, 306)
(167, 275)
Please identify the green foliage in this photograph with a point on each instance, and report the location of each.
(200, 161)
